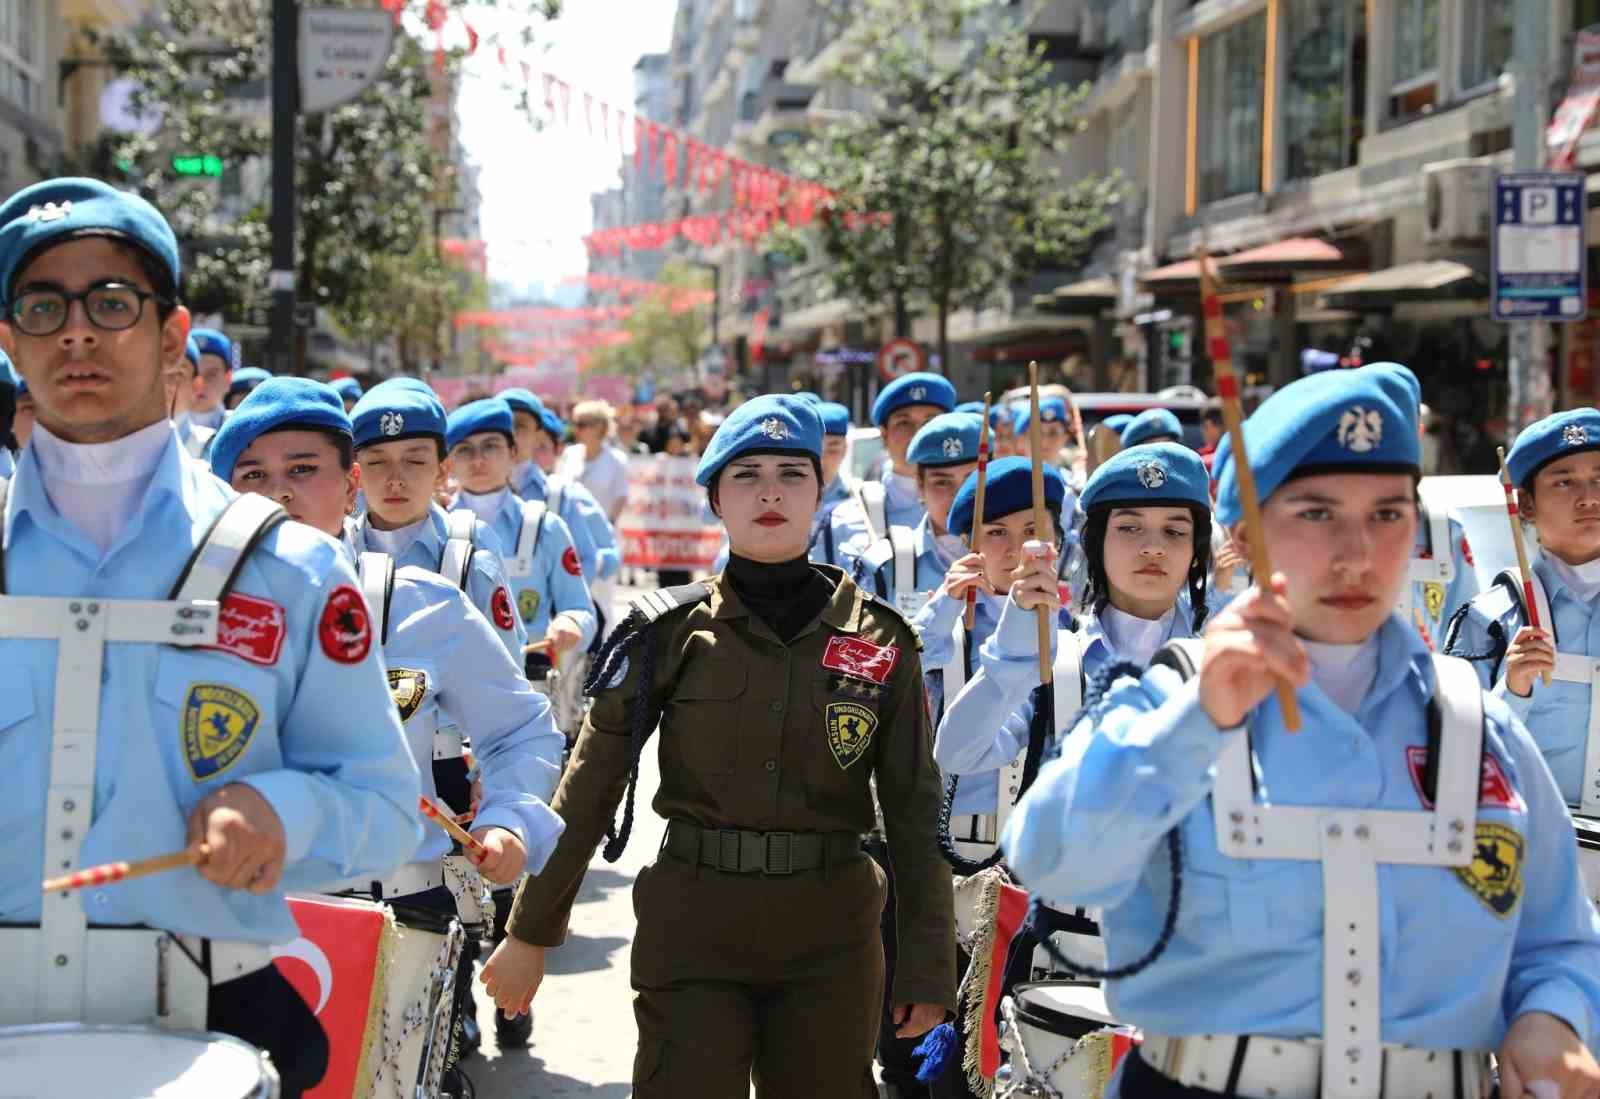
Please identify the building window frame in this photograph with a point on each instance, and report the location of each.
(1404, 91)
(1200, 119)
(1466, 11)
(22, 76)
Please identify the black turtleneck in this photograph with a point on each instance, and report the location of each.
(785, 595)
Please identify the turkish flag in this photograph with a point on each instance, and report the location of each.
(1013, 909)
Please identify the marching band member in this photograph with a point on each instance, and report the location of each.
(1287, 914)
(244, 380)
(782, 689)
(400, 442)
(1153, 425)
(8, 414)
(541, 561)
(349, 391)
(23, 419)
(899, 412)
(1555, 465)
(1001, 417)
(218, 360)
(136, 728)
(181, 379)
(908, 563)
(1053, 430)
(839, 485)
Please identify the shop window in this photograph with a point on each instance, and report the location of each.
(1486, 29)
(19, 53)
(1232, 88)
(1324, 100)
(1414, 77)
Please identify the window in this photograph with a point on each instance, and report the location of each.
(1232, 70)
(1416, 44)
(19, 53)
(1486, 28)
(1324, 94)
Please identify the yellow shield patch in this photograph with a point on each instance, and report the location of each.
(1495, 873)
(1433, 598)
(408, 687)
(527, 604)
(850, 729)
(218, 722)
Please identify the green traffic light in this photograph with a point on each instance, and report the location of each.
(198, 165)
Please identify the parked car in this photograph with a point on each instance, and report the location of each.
(1185, 402)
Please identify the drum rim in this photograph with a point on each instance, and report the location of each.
(1588, 833)
(1044, 1015)
(207, 1037)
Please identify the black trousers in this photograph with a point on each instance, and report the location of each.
(263, 1008)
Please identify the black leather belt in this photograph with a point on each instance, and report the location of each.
(734, 851)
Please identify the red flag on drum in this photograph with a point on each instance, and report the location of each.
(1012, 911)
(334, 967)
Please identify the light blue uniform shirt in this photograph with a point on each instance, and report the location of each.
(1247, 954)
(1557, 716)
(875, 568)
(822, 549)
(586, 521)
(902, 507)
(556, 580)
(486, 576)
(195, 438)
(447, 667)
(321, 740)
(1429, 596)
(8, 465)
(935, 624)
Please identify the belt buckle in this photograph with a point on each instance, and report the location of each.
(780, 853)
(728, 850)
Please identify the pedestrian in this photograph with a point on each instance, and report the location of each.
(257, 724)
(1275, 903)
(601, 467)
(783, 692)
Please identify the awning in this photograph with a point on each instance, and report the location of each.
(1089, 296)
(1424, 280)
(1178, 279)
(1284, 259)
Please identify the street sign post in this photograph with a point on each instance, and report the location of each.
(1539, 259)
(900, 357)
(342, 51)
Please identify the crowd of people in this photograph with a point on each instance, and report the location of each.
(297, 641)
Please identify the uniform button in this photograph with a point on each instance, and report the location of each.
(777, 706)
(771, 765)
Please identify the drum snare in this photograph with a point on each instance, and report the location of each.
(474, 901)
(1061, 1035)
(132, 1062)
(419, 1008)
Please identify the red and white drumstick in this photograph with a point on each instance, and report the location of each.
(110, 872)
(977, 505)
(452, 829)
(544, 646)
(1522, 551)
(1422, 628)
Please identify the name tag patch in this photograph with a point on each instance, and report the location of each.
(1495, 873)
(850, 729)
(408, 687)
(1494, 789)
(251, 628)
(218, 722)
(862, 659)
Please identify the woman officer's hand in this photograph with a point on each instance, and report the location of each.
(1033, 582)
(513, 975)
(915, 1020)
(1249, 647)
(1542, 1058)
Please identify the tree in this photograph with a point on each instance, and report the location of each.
(663, 334)
(946, 189)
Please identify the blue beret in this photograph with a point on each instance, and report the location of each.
(1008, 488)
(476, 417)
(61, 209)
(909, 389)
(1553, 437)
(247, 378)
(521, 400)
(1332, 422)
(191, 351)
(274, 405)
(1152, 423)
(1401, 385)
(348, 388)
(767, 424)
(552, 423)
(22, 385)
(1001, 413)
(835, 418)
(1052, 410)
(400, 408)
(949, 439)
(1117, 422)
(1154, 473)
(212, 342)
(810, 398)
(8, 373)
(975, 407)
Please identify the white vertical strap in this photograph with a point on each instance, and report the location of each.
(1436, 514)
(454, 563)
(873, 509)
(1067, 676)
(1589, 795)
(375, 570)
(955, 669)
(521, 563)
(214, 564)
(1459, 697)
(1352, 1061)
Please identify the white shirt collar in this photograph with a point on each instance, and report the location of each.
(1134, 638)
(484, 507)
(98, 487)
(1345, 673)
(397, 541)
(1583, 581)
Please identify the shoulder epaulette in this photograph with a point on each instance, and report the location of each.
(653, 605)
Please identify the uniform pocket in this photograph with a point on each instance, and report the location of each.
(702, 720)
(20, 750)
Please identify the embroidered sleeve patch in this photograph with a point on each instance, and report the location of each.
(500, 608)
(408, 687)
(1494, 792)
(1495, 873)
(528, 604)
(569, 561)
(862, 659)
(251, 628)
(850, 729)
(346, 628)
(218, 722)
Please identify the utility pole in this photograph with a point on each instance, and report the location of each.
(285, 107)
(1529, 369)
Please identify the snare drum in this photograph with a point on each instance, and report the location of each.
(1067, 1037)
(420, 1008)
(474, 902)
(1588, 831)
(131, 1062)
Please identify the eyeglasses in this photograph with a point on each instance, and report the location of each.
(489, 448)
(110, 306)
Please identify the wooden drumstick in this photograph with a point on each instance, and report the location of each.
(1233, 415)
(1041, 516)
(1515, 517)
(544, 646)
(109, 872)
(452, 829)
(977, 506)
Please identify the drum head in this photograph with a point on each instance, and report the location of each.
(1588, 831)
(129, 1062)
(1069, 1008)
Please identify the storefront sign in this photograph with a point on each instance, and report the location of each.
(342, 51)
(1539, 262)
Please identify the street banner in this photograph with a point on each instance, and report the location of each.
(1577, 111)
(342, 51)
(664, 523)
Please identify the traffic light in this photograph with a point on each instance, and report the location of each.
(195, 164)
(1178, 343)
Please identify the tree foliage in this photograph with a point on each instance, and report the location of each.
(948, 188)
(662, 339)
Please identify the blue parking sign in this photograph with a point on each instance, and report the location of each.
(1540, 262)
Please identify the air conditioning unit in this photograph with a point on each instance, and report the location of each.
(1457, 195)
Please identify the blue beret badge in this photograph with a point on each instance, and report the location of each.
(773, 428)
(1574, 435)
(392, 423)
(50, 211)
(1360, 429)
(1152, 475)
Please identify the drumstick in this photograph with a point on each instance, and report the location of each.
(109, 872)
(1422, 628)
(977, 506)
(451, 828)
(1233, 416)
(544, 646)
(1041, 514)
(1522, 551)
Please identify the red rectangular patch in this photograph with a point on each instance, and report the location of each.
(859, 658)
(1495, 790)
(251, 628)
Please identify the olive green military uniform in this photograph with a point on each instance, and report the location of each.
(774, 975)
